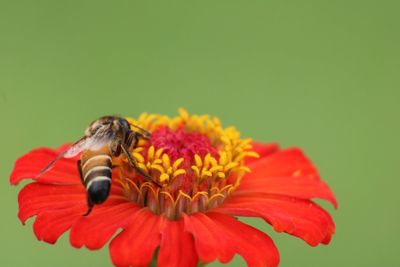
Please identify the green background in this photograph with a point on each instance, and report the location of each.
(322, 75)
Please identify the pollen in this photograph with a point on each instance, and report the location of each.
(197, 162)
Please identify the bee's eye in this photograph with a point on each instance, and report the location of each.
(124, 123)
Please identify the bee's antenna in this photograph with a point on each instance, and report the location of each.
(144, 133)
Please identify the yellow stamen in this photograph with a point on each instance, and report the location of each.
(158, 168)
(138, 157)
(177, 163)
(178, 172)
(164, 177)
(166, 161)
(198, 161)
(196, 170)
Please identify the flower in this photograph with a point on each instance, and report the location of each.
(209, 175)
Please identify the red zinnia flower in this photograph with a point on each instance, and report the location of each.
(208, 176)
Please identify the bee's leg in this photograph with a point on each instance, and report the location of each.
(132, 162)
(80, 171)
(132, 140)
(90, 207)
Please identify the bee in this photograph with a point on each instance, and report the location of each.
(104, 139)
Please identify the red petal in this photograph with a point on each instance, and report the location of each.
(177, 246)
(210, 243)
(49, 225)
(303, 187)
(257, 249)
(36, 198)
(64, 171)
(301, 218)
(283, 163)
(263, 150)
(95, 230)
(59, 207)
(136, 244)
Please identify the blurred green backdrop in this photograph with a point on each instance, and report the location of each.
(322, 75)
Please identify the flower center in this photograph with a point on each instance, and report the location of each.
(180, 143)
(197, 162)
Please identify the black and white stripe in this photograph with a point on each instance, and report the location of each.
(97, 158)
(97, 173)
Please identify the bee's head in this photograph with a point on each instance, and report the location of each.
(103, 122)
(124, 124)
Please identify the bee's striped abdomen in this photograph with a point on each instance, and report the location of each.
(96, 173)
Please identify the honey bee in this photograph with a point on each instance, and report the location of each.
(104, 139)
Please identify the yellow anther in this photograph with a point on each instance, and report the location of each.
(142, 117)
(216, 121)
(252, 154)
(150, 153)
(138, 149)
(223, 158)
(198, 160)
(213, 161)
(196, 170)
(142, 166)
(183, 114)
(226, 140)
(207, 161)
(158, 168)
(246, 147)
(221, 175)
(166, 161)
(240, 157)
(216, 169)
(206, 173)
(157, 161)
(152, 117)
(238, 150)
(178, 172)
(164, 177)
(159, 152)
(169, 170)
(246, 141)
(230, 165)
(138, 157)
(177, 163)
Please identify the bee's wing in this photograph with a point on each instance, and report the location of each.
(98, 140)
(75, 148)
(94, 142)
(70, 152)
